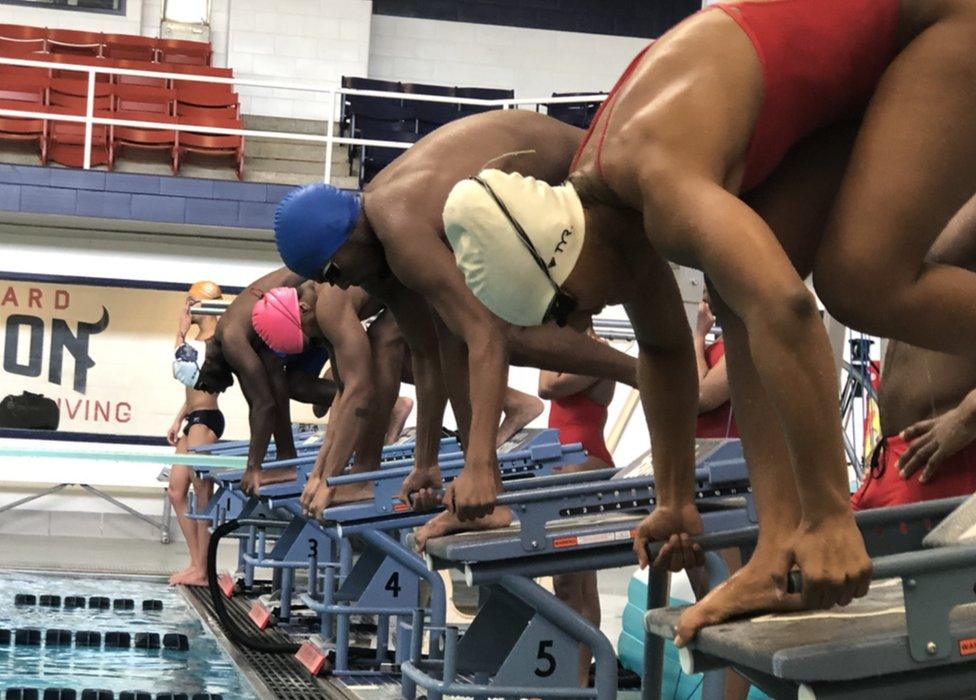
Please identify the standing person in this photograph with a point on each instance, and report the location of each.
(715, 419)
(579, 411)
(201, 423)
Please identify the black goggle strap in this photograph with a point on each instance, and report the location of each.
(523, 236)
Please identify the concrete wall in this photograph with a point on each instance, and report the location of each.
(312, 42)
(535, 62)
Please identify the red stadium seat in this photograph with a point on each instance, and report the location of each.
(18, 93)
(71, 41)
(69, 59)
(130, 47)
(139, 79)
(66, 140)
(142, 103)
(18, 35)
(73, 94)
(205, 102)
(212, 145)
(198, 53)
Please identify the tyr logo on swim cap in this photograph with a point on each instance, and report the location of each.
(311, 223)
(482, 216)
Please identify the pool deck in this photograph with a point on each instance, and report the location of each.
(101, 555)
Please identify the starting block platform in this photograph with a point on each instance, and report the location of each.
(913, 636)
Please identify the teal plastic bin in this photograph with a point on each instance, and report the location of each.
(676, 683)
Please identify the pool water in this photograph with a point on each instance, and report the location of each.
(205, 668)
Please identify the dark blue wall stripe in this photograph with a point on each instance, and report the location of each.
(639, 18)
(179, 200)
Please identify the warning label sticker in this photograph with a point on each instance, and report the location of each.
(967, 647)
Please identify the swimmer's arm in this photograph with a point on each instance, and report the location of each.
(691, 219)
(713, 389)
(352, 354)
(253, 377)
(667, 380)
(559, 385)
(425, 264)
(413, 316)
(566, 350)
(487, 358)
(278, 380)
(184, 324)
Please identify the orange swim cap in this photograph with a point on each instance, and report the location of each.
(205, 290)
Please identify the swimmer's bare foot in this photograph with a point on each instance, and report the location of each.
(327, 496)
(174, 579)
(278, 475)
(520, 410)
(398, 418)
(194, 577)
(350, 493)
(757, 587)
(447, 523)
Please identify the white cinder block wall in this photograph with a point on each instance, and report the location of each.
(314, 42)
(535, 62)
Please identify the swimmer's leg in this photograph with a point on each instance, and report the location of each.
(196, 575)
(912, 169)
(518, 411)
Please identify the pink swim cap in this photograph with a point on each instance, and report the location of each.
(277, 319)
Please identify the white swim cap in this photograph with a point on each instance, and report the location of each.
(482, 217)
(187, 361)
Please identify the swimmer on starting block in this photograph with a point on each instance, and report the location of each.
(201, 423)
(927, 406)
(391, 242)
(724, 148)
(235, 349)
(367, 365)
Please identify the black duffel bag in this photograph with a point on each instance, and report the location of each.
(29, 412)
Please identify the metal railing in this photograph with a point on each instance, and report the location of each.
(329, 139)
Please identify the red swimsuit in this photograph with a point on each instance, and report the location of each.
(821, 61)
(581, 419)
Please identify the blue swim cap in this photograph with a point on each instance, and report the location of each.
(311, 223)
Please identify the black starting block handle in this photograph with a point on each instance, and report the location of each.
(928, 561)
(743, 537)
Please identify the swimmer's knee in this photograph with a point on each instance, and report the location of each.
(857, 296)
(177, 493)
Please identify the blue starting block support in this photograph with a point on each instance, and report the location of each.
(391, 564)
(564, 527)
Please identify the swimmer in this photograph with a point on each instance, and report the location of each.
(198, 422)
(365, 363)
(368, 365)
(235, 349)
(703, 155)
(391, 242)
(927, 405)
